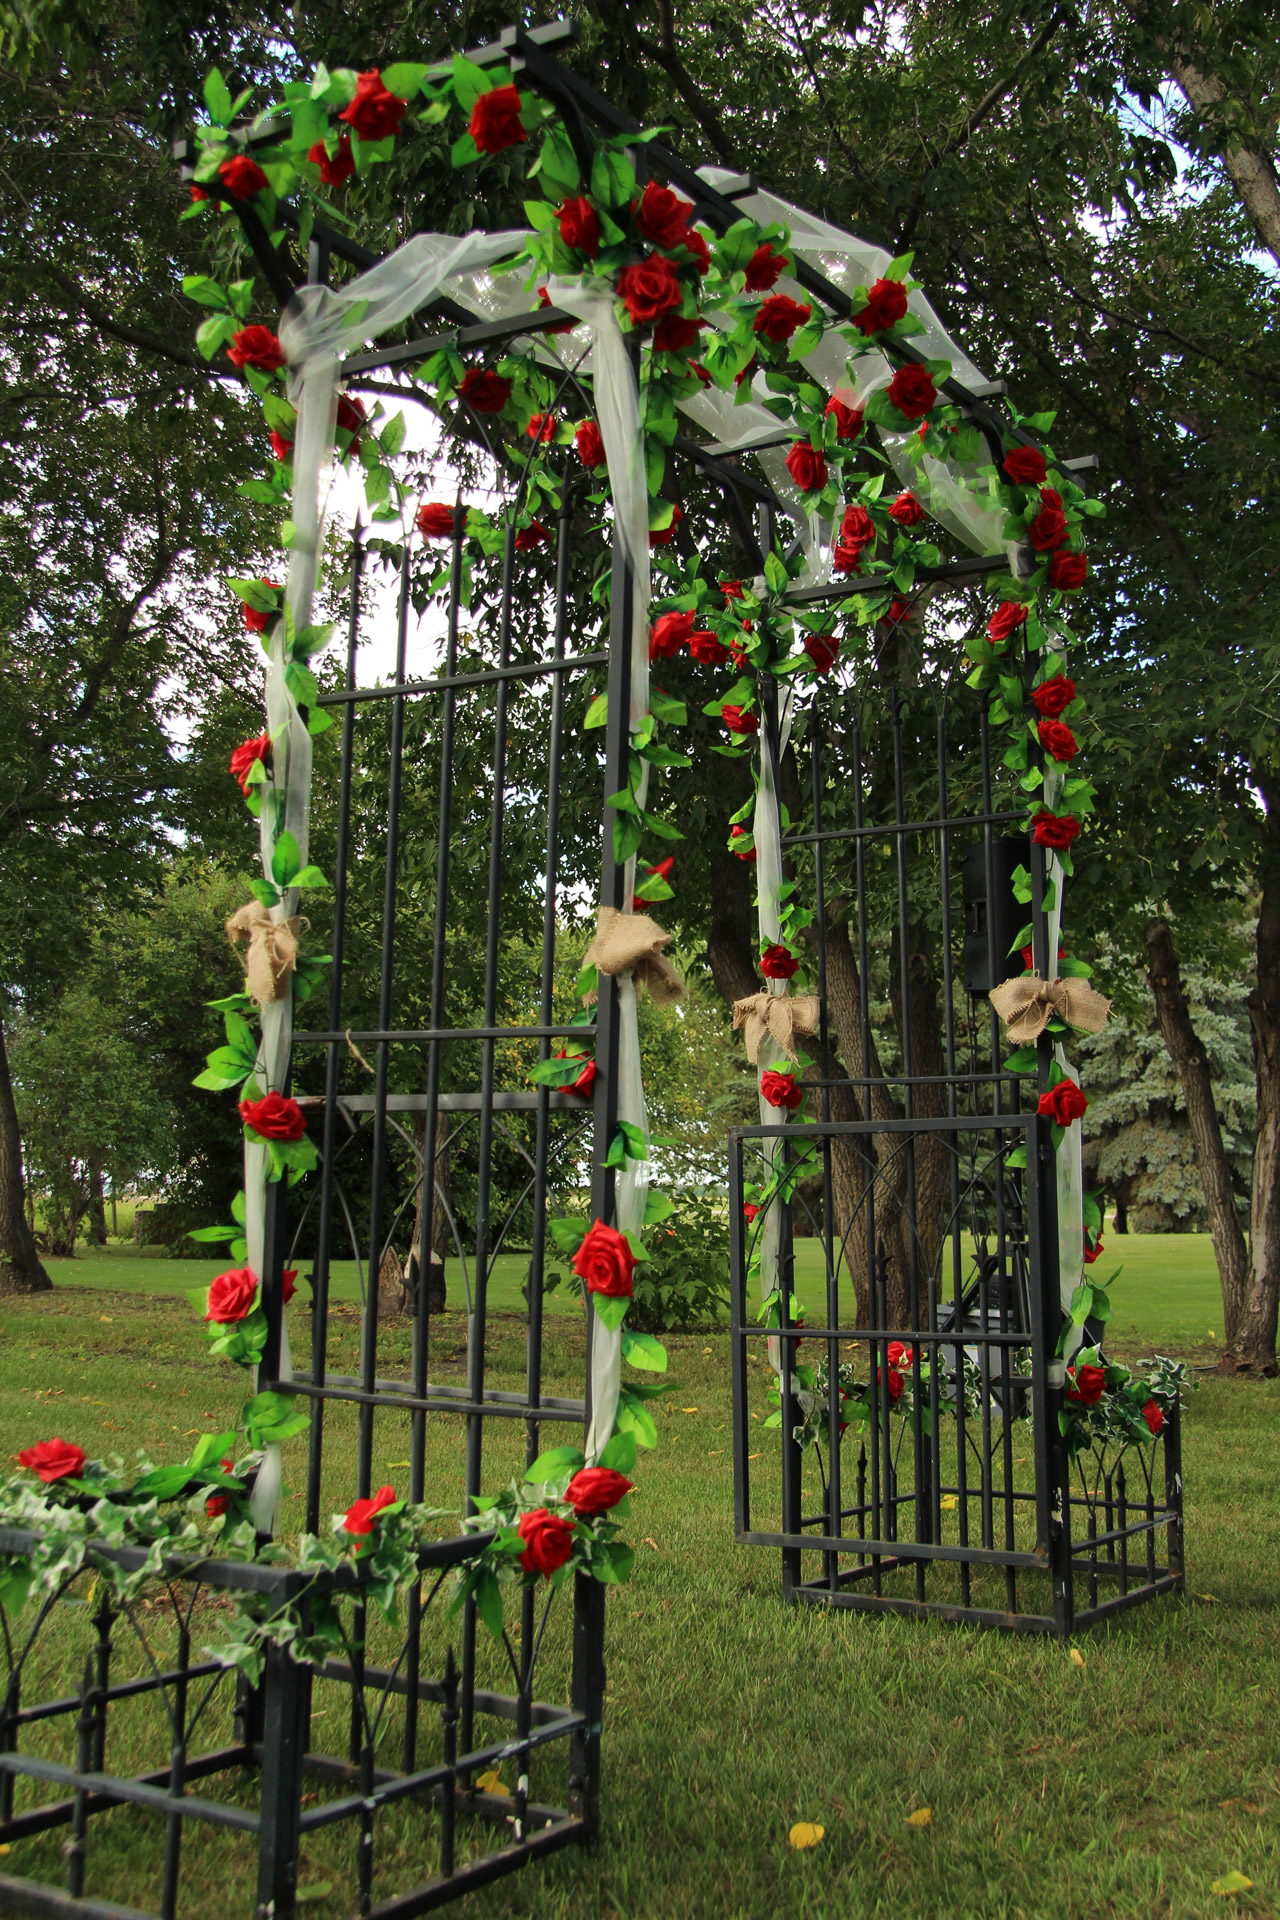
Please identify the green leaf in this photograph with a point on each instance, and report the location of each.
(567, 1234)
(597, 712)
(199, 286)
(664, 706)
(211, 1446)
(620, 1453)
(642, 1350)
(162, 1483)
(286, 861)
(217, 97)
(610, 1312)
(403, 78)
(310, 876)
(657, 1207)
(469, 82)
(214, 333)
(634, 1418)
(555, 1464)
(488, 1599)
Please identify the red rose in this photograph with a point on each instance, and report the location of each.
(906, 510)
(663, 217)
(531, 536)
(1028, 959)
(605, 1262)
(669, 632)
(485, 392)
(545, 300)
(242, 177)
(231, 1296)
(780, 1090)
(846, 559)
(1007, 618)
(247, 754)
(1088, 1384)
(1153, 1414)
(548, 1541)
(899, 1355)
(696, 367)
(1054, 696)
(288, 1284)
(731, 589)
(579, 227)
(259, 622)
(1049, 529)
(738, 720)
(1091, 1252)
(746, 372)
(374, 113)
(1063, 1103)
(779, 316)
(282, 448)
(857, 528)
(649, 289)
(749, 1211)
(743, 853)
(495, 120)
(895, 1383)
(776, 963)
(585, 1080)
(52, 1460)
(763, 268)
(886, 303)
(590, 444)
(333, 171)
(1067, 571)
(437, 521)
(663, 536)
(899, 610)
(848, 419)
(541, 427)
(594, 1490)
(274, 1117)
(807, 467)
(1054, 830)
(697, 246)
(674, 334)
(198, 193)
(912, 391)
(1057, 740)
(361, 1514)
(663, 868)
(822, 650)
(1025, 466)
(704, 646)
(351, 421)
(256, 347)
(219, 1502)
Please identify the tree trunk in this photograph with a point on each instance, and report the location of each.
(1192, 1065)
(1252, 171)
(428, 1273)
(21, 1270)
(1256, 1335)
(1121, 1202)
(932, 1154)
(97, 1209)
(731, 942)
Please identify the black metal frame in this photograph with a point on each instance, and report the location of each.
(942, 1522)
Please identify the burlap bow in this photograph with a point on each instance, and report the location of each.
(633, 940)
(272, 950)
(1026, 1003)
(779, 1016)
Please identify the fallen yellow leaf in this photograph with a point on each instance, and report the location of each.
(688, 1409)
(1232, 1882)
(1212, 1598)
(1077, 1658)
(647, 1542)
(755, 1456)
(398, 1463)
(5, 1847)
(491, 1782)
(1212, 1334)
(105, 1316)
(950, 1501)
(805, 1833)
(922, 1817)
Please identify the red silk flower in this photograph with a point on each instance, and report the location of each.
(247, 755)
(649, 289)
(886, 304)
(764, 267)
(1024, 466)
(848, 419)
(1054, 830)
(438, 521)
(1086, 1384)
(484, 391)
(541, 427)
(534, 535)
(807, 467)
(779, 316)
(1007, 618)
(256, 621)
(594, 1490)
(1063, 1103)
(1049, 529)
(781, 1090)
(663, 217)
(739, 720)
(778, 963)
(52, 1460)
(590, 444)
(674, 333)
(231, 1295)
(605, 1262)
(705, 648)
(912, 391)
(361, 1514)
(375, 112)
(1058, 741)
(335, 168)
(495, 120)
(663, 536)
(579, 227)
(256, 347)
(669, 633)
(906, 510)
(242, 177)
(274, 1117)
(822, 650)
(1067, 571)
(1053, 697)
(548, 1541)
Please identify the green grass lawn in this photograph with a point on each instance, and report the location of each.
(1123, 1787)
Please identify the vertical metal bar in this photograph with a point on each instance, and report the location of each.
(1172, 1437)
(177, 1778)
(85, 1720)
(369, 1324)
(281, 1785)
(737, 1337)
(9, 1739)
(586, 1693)
(1122, 1521)
(449, 1739)
(1052, 1466)
(831, 1561)
(103, 1620)
(324, 1234)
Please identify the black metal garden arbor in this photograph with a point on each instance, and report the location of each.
(377, 1768)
